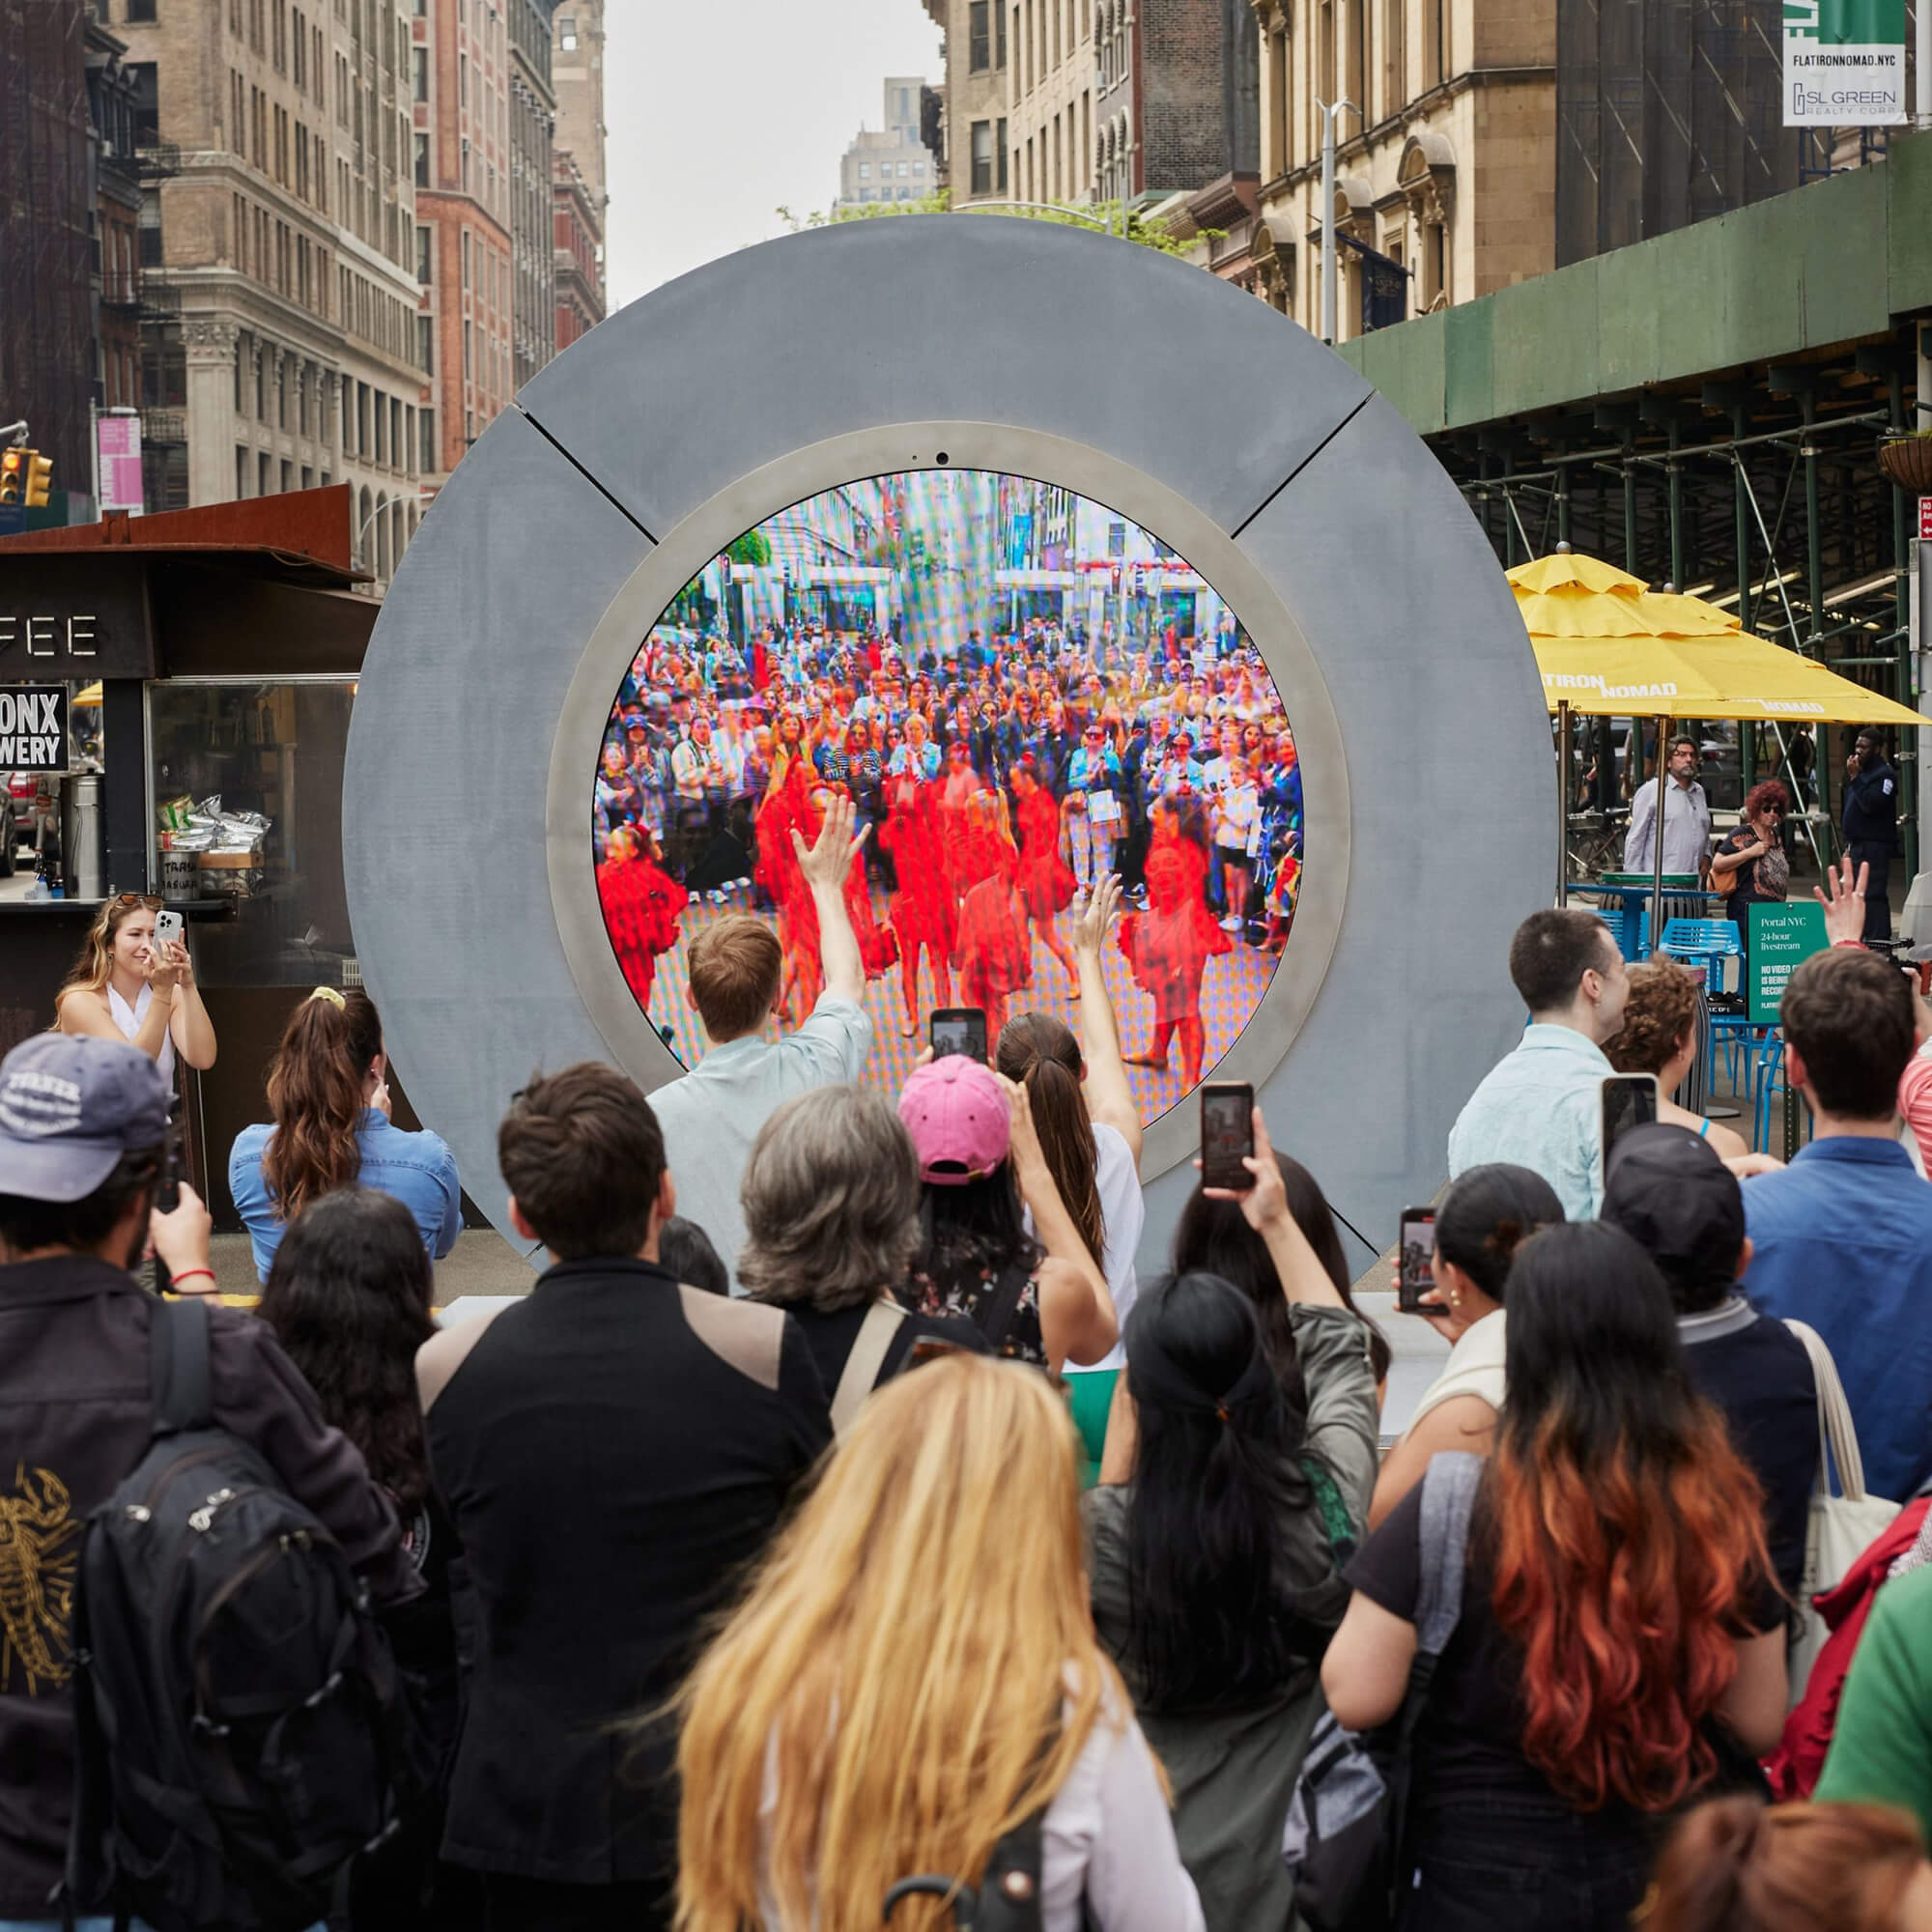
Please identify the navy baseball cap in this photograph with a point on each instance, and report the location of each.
(70, 1106)
(1667, 1189)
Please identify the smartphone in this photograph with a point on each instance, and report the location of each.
(1227, 1135)
(960, 1030)
(1415, 1271)
(1630, 1100)
(167, 930)
(167, 1197)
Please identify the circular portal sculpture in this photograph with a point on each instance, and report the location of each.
(1307, 520)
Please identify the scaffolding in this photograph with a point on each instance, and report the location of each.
(1761, 492)
(47, 200)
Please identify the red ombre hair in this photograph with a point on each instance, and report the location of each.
(1626, 1534)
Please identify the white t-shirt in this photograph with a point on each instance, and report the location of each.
(1123, 1217)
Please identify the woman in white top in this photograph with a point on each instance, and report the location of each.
(912, 1675)
(123, 986)
(1084, 1112)
(1486, 1214)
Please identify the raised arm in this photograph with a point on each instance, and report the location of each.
(1304, 1281)
(1076, 1311)
(192, 1029)
(825, 864)
(1109, 1096)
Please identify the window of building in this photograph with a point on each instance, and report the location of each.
(983, 157)
(566, 34)
(425, 255)
(421, 161)
(999, 36)
(426, 344)
(426, 423)
(240, 471)
(468, 352)
(265, 474)
(978, 37)
(419, 60)
(1000, 149)
(140, 10)
(903, 170)
(865, 171)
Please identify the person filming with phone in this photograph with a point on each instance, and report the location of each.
(135, 981)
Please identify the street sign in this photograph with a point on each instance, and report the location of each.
(1844, 63)
(33, 728)
(1925, 520)
(1782, 937)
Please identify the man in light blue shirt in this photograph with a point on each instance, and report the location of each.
(711, 1116)
(1541, 1107)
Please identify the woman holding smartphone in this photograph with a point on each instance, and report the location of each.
(129, 985)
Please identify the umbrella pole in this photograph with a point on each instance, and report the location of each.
(1662, 804)
(1563, 799)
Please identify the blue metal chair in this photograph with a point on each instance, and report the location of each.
(1768, 1078)
(1703, 942)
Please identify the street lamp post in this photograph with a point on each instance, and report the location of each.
(1330, 116)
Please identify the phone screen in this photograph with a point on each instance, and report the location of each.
(960, 1030)
(1227, 1136)
(1630, 1100)
(1417, 1258)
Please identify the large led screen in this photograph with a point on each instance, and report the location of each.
(1020, 690)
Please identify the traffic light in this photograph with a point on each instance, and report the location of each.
(40, 478)
(13, 477)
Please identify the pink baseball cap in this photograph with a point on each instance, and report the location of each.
(956, 1113)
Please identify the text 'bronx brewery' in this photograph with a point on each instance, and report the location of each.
(33, 728)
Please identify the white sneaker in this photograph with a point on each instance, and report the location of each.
(1231, 924)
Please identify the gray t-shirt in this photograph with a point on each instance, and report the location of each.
(712, 1116)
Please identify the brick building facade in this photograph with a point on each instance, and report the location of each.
(579, 255)
(581, 191)
(1177, 104)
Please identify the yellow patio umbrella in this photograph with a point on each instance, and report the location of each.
(1607, 645)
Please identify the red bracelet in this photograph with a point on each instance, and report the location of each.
(189, 1274)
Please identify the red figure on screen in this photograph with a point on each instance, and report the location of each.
(1046, 881)
(924, 912)
(641, 904)
(1169, 944)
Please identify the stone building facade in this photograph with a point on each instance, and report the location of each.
(285, 247)
(532, 248)
(1050, 123)
(976, 163)
(1445, 181)
(582, 197)
(463, 210)
(889, 163)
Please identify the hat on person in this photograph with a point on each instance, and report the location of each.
(1666, 1188)
(956, 1113)
(70, 1106)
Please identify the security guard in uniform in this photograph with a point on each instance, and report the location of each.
(1870, 825)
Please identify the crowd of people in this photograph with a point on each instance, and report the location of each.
(993, 783)
(839, 1526)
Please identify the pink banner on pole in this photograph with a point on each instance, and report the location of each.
(119, 440)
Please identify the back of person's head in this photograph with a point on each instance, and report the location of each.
(1661, 1010)
(917, 1651)
(1671, 1194)
(83, 1129)
(1627, 1531)
(317, 1085)
(1486, 1216)
(348, 1296)
(1214, 1237)
(735, 965)
(961, 1128)
(1551, 953)
(583, 1157)
(831, 1200)
(1212, 1607)
(1735, 1864)
(1041, 1051)
(1848, 1015)
(684, 1251)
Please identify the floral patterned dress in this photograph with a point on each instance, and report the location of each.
(984, 1294)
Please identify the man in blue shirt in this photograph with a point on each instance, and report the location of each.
(1842, 1238)
(1541, 1106)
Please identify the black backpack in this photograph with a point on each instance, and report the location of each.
(242, 1729)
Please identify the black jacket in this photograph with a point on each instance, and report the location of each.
(615, 1452)
(1871, 806)
(76, 1415)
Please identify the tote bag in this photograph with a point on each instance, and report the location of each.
(1842, 1525)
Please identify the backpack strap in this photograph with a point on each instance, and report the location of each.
(180, 1373)
(863, 1365)
(1448, 1495)
(996, 1317)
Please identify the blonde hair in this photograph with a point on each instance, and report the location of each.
(905, 1651)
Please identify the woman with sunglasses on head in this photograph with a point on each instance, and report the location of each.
(1749, 866)
(127, 986)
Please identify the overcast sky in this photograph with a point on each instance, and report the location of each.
(721, 111)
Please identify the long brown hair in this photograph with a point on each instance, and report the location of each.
(1041, 1051)
(1736, 1865)
(908, 1727)
(1627, 1533)
(315, 1098)
(91, 971)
